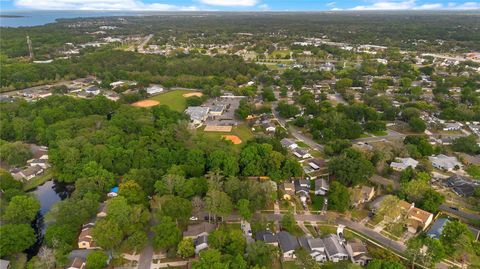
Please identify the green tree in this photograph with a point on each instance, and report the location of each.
(107, 234)
(259, 253)
(96, 260)
(21, 209)
(343, 83)
(8, 182)
(467, 144)
(177, 208)
(288, 222)
(167, 234)
(338, 197)
(351, 168)
(15, 238)
(210, 259)
(186, 248)
(227, 240)
(457, 239)
(132, 192)
(417, 125)
(218, 203)
(243, 206)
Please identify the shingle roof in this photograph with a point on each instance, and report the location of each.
(437, 227)
(333, 246)
(287, 241)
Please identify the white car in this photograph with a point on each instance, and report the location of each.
(193, 218)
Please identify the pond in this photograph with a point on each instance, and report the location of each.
(47, 194)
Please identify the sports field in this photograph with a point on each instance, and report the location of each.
(175, 100)
(242, 132)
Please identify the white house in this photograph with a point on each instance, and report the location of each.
(444, 162)
(288, 143)
(154, 89)
(334, 249)
(201, 243)
(401, 164)
(452, 126)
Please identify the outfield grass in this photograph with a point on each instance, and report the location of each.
(242, 131)
(173, 99)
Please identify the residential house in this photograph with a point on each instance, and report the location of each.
(113, 192)
(288, 189)
(334, 249)
(316, 163)
(199, 229)
(437, 227)
(113, 96)
(200, 243)
(77, 263)
(357, 252)
(102, 212)
(267, 237)
(269, 127)
(321, 186)
(361, 195)
(315, 247)
(452, 126)
(93, 90)
(288, 244)
(301, 153)
(31, 172)
(288, 143)
(418, 219)
(401, 164)
(43, 163)
(444, 162)
(302, 189)
(85, 239)
(461, 186)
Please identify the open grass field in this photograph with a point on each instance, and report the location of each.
(175, 99)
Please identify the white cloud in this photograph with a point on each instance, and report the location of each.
(99, 5)
(331, 4)
(336, 9)
(264, 7)
(412, 5)
(230, 3)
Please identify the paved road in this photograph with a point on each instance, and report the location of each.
(146, 256)
(459, 213)
(293, 131)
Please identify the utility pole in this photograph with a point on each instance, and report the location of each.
(29, 42)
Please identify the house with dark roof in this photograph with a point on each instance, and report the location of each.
(334, 249)
(301, 153)
(31, 172)
(199, 229)
(76, 263)
(267, 237)
(315, 247)
(288, 143)
(288, 244)
(437, 227)
(461, 185)
(302, 189)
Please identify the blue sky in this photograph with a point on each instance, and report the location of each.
(239, 5)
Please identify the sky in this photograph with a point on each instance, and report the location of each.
(239, 5)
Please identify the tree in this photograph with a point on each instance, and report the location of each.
(288, 222)
(338, 197)
(384, 264)
(259, 253)
(177, 208)
(417, 125)
(425, 251)
(15, 238)
(210, 259)
(21, 209)
(167, 234)
(431, 201)
(268, 95)
(186, 248)
(96, 260)
(7, 181)
(107, 234)
(467, 144)
(243, 206)
(218, 203)
(287, 111)
(227, 240)
(135, 241)
(305, 260)
(457, 239)
(343, 83)
(351, 168)
(132, 192)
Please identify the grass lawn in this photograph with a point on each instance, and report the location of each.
(18, 261)
(242, 131)
(301, 144)
(379, 133)
(290, 265)
(359, 214)
(37, 181)
(326, 230)
(340, 265)
(317, 202)
(173, 99)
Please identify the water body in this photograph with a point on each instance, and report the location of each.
(20, 18)
(47, 194)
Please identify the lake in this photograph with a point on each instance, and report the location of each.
(47, 194)
(20, 18)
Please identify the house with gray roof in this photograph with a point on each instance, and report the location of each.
(267, 237)
(315, 247)
(197, 114)
(445, 162)
(334, 249)
(288, 143)
(401, 164)
(200, 243)
(288, 244)
(321, 186)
